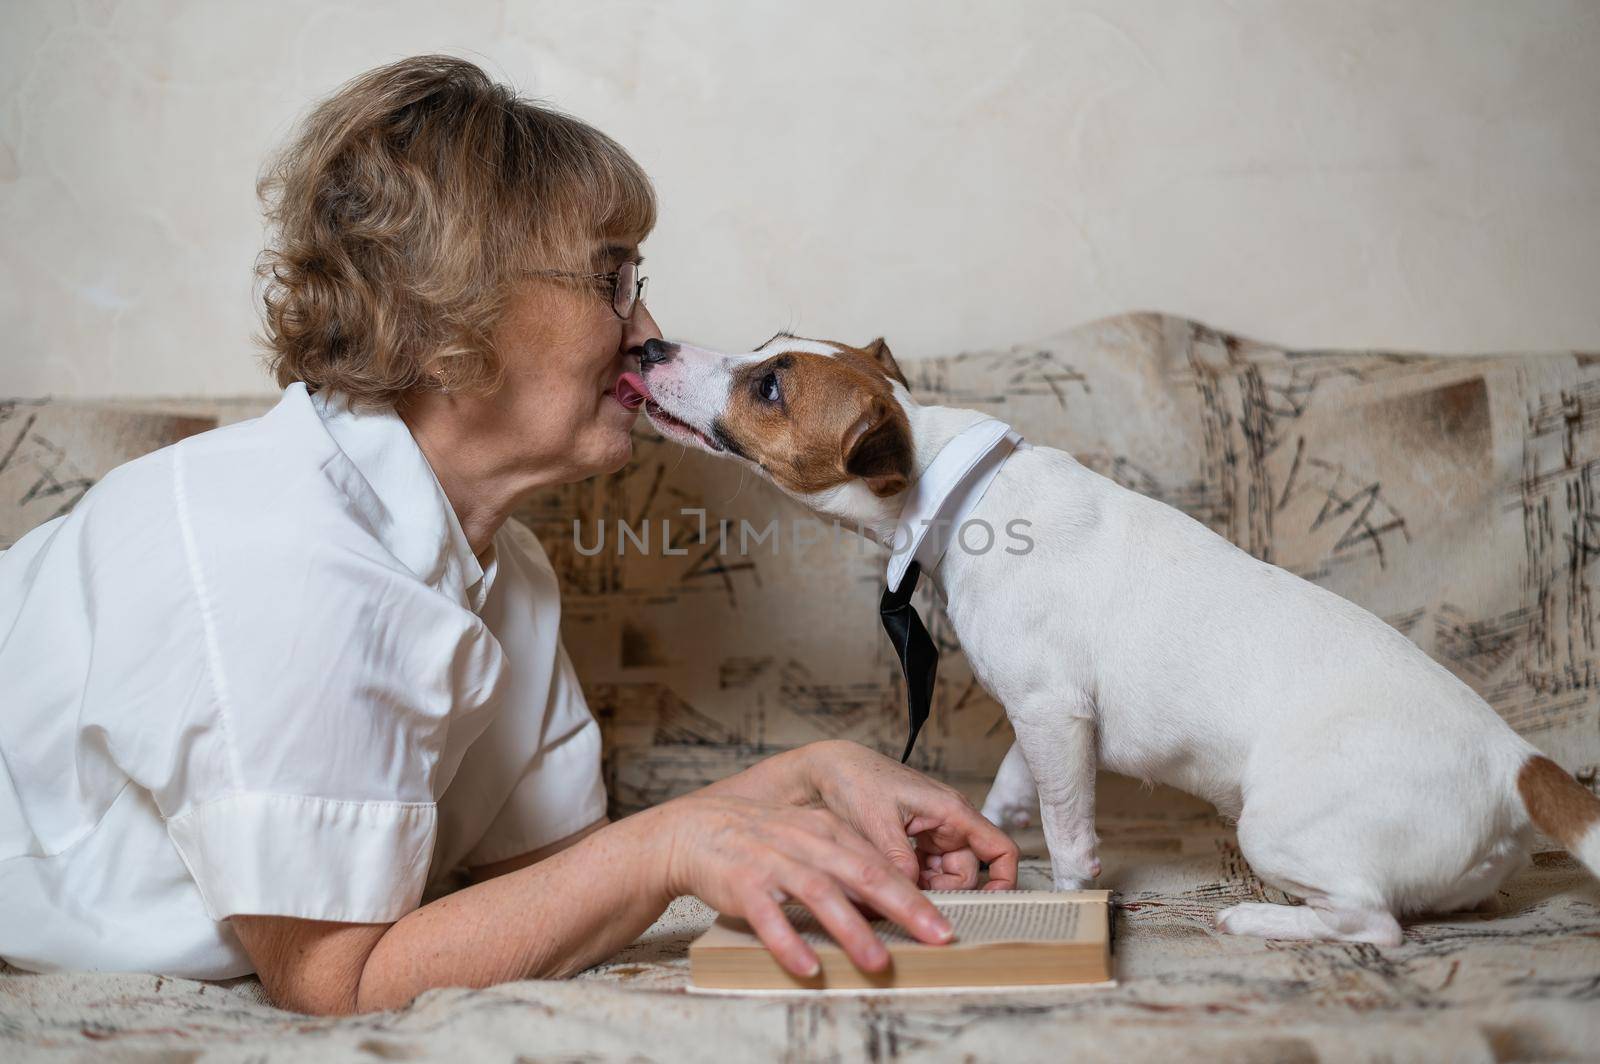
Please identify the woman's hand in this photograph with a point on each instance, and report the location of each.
(746, 857)
(888, 802)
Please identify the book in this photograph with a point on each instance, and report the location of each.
(1002, 939)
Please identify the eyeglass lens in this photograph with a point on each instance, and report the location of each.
(627, 290)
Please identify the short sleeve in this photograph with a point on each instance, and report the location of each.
(336, 676)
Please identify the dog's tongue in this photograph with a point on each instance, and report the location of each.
(631, 391)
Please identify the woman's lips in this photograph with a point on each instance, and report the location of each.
(631, 391)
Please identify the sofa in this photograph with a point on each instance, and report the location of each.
(1453, 496)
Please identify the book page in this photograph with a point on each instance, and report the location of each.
(977, 920)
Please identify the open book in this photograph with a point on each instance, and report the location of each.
(1006, 938)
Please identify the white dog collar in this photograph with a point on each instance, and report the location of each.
(948, 491)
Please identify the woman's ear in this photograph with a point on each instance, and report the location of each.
(878, 448)
(878, 351)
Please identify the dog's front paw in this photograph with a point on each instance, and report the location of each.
(1078, 878)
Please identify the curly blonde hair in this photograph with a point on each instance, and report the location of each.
(409, 201)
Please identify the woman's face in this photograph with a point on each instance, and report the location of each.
(564, 350)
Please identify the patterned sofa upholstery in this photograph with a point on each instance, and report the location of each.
(1454, 496)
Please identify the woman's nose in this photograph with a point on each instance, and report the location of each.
(641, 328)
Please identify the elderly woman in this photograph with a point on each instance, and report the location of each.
(263, 687)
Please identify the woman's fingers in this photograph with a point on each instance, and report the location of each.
(816, 859)
(874, 793)
(889, 837)
(952, 870)
(822, 894)
(869, 878)
(886, 837)
(876, 849)
(1001, 855)
(765, 917)
(956, 825)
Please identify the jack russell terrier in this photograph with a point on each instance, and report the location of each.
(1365, 778)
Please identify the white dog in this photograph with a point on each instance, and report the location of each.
(1366, 779)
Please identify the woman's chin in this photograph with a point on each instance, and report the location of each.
(616, 455)
(609, 443)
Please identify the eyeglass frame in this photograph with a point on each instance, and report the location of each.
(615, 277)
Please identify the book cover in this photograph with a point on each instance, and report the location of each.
(1009, 938)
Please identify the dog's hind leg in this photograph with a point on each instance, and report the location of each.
(1059, 745)
(1290, 848)
(1319, 919)
(1013, 797)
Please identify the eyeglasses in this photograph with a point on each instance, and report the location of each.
(627, 287)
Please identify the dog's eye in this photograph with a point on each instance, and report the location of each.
(768, 388)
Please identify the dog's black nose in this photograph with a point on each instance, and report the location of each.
(655, 351)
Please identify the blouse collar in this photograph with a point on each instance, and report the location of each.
(415, 520)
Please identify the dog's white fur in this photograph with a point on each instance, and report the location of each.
(1366, 778)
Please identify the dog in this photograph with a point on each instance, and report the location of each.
(1365, 778)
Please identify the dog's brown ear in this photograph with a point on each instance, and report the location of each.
(878, 351)
(878, 448)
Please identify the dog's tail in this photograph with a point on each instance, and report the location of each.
(1562, 808)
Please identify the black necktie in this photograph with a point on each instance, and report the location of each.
(919, 658)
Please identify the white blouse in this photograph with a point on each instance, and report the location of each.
(261, 671)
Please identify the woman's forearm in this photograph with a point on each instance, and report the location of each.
(736, 843)
(549, 920)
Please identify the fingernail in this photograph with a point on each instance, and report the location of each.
(940, 927)
(815, 970)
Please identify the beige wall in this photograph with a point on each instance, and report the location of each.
(1401, 174)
